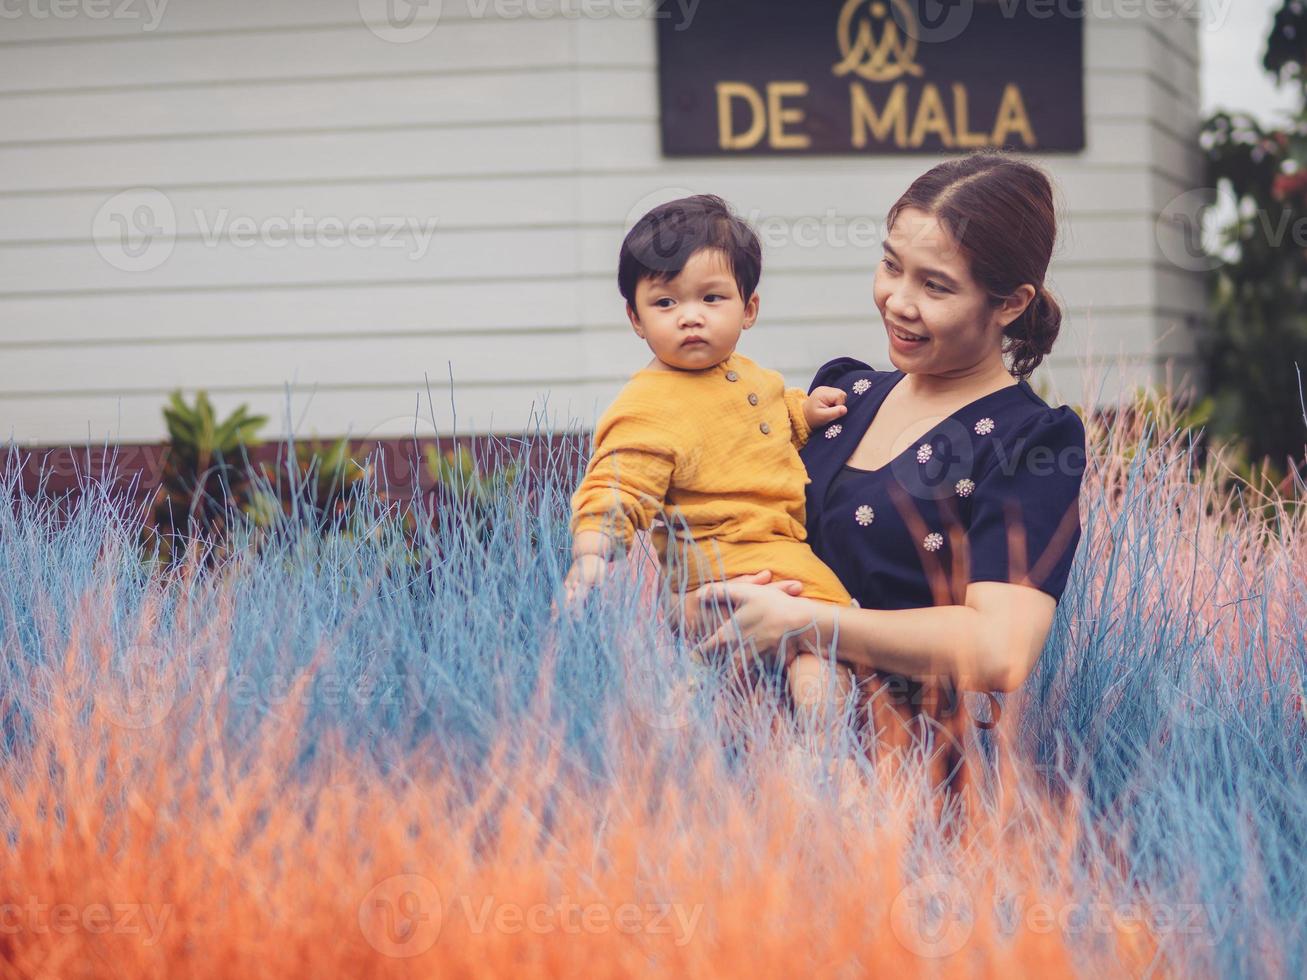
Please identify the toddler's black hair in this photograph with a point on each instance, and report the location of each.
(661, 243)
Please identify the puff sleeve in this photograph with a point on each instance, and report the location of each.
(831, 372)
(1025, 518)
(626, 481)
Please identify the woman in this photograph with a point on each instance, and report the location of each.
(946, 499)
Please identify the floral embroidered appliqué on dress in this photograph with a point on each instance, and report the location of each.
(861, 385)
(984, 480)
(833, 431)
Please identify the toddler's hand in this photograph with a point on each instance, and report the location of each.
(586, 573)
(825, 404)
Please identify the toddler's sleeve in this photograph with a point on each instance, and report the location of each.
(1025, 519)
(799, 429)
(626, 481)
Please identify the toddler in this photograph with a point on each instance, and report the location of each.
(702, 435)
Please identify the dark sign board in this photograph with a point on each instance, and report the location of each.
(872, 76)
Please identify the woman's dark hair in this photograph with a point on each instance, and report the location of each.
(664, 239)
(1000, 211)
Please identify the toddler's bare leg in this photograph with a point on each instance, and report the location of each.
(818, 690)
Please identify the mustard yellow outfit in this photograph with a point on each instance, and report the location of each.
(715, 454)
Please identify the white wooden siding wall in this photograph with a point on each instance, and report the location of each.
(530, 141)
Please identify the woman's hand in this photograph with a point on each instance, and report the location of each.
(764, 618)
(692, 611)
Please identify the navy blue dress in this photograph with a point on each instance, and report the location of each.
(991, 493)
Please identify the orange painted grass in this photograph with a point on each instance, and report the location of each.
(157, 852)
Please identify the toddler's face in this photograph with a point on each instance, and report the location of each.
(694, 321)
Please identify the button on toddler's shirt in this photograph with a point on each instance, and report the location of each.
(753, 399)
(732, 376)
(764, 428)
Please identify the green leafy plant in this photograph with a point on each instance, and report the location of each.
(463, 488)
(205, 480)
(1258, 327)
(325, 486)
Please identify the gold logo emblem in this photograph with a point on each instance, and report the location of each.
(877, 60)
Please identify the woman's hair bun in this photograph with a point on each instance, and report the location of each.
(1029, 338)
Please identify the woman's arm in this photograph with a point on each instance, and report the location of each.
(991, 643)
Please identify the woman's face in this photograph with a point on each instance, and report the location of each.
(938, 318)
